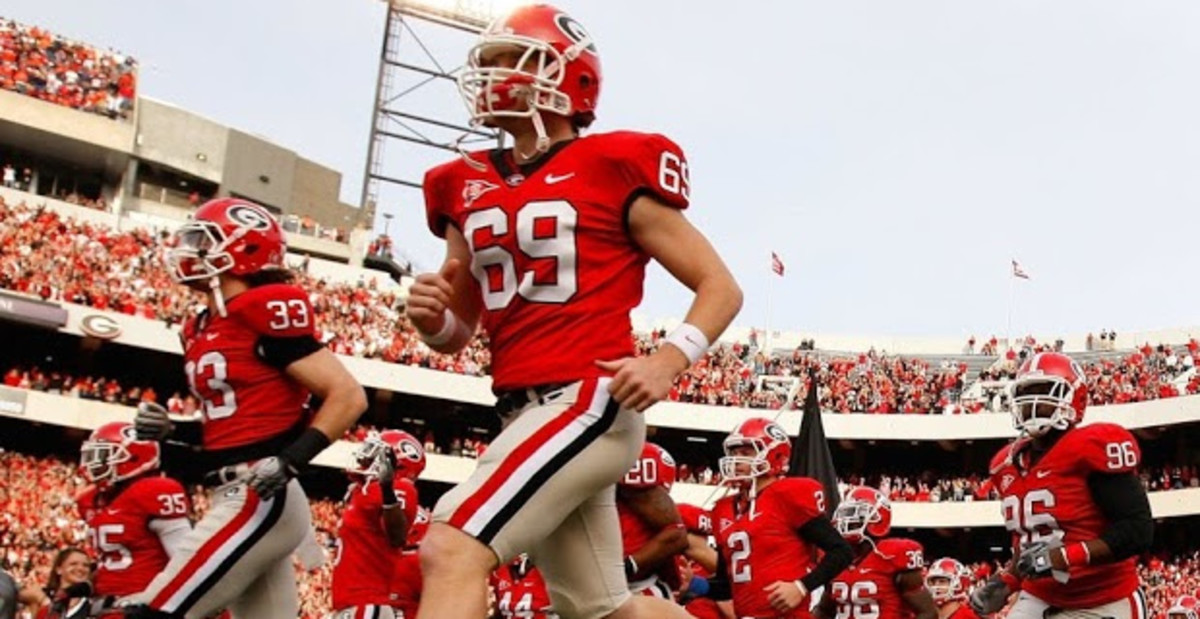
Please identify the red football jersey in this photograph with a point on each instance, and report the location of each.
(868, 587)
(363, 570)
(406, 580)
(695, 519)
(244, 400)
(521, 598)
(551, 251)
(1051, 499)
(128, 553)
(407, 584)
(760, 542)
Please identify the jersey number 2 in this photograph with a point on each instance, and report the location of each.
(545, 230)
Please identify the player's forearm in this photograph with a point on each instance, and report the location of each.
(699, 551)
(1122, 499)
(395, 525)
(664, 545)
(340, 409)
(718, 301)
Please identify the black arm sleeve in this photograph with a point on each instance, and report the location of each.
(1123, 501)
(719, 587)
(838, 553)
(280, 352)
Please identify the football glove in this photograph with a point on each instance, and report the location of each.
(152, 423)
(990, 597)
(1035, 561)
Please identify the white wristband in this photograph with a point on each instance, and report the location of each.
(801, 587)
(450, 328)
(690, 340)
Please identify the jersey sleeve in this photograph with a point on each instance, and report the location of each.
(435, 186)
(803, 499)
(651, 164)
(277, 310)
(161, 498)
(1107, 448)
(903, 554)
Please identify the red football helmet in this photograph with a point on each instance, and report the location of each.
(863, 512)
(948, 580)
(1050, 392)
(772, 450)
(1185, 607)
(655, 467)
(113, 453)
(226, 235)
(410, 455)
(556, 69)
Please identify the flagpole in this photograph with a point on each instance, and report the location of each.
(767, 334)
(1012, 288)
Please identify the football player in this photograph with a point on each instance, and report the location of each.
(948, 581)
(374, 527)
(885, 579)
(136, 518)
(1071, 498)
(652, 529)
(253, 360)
(547, 242)
(700, 560)
(771, 530)
(520, 591)
(1184, 607)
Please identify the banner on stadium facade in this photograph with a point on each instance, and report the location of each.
(100, 326)
(32, 311)
(12, 402)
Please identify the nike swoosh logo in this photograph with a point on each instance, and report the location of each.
(210, 336)
(1042, 474)
(552, 179)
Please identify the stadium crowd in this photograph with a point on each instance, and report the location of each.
(44, 65)
(57, 258)
(38, 517)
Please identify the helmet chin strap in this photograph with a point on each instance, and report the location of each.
(214, 285)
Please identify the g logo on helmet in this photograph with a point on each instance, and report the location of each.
(667, 459)
(774, 431)
(409, 451)
(250, 216)
(129, 433)
(574, 31)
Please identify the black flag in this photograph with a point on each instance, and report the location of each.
(810, 452)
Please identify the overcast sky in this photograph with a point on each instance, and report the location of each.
(897, 155)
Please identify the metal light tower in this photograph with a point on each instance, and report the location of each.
(418, 114)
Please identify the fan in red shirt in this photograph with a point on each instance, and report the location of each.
(652, 530)
(948, 582)
(771, 532)
(373, 533)
(885, 579)
(136, 517)
(520, 591)
(1071, 499)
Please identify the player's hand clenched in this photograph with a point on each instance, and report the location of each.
(640, 382)
(429, 298)
(785, 596)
